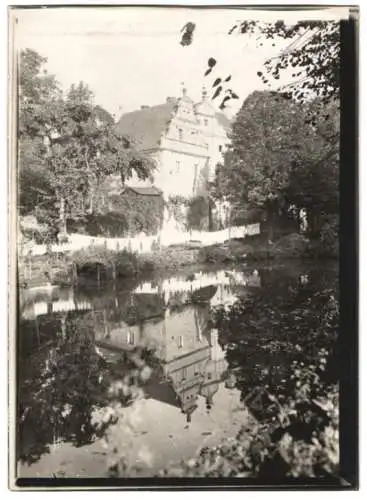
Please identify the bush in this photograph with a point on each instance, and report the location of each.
(198, 214)
(146, 263)
(127, 263)
(293, 245)
(325, 242)
(112, 224)
(141, 213)
(173, 258)
(329, 237)
(215, 254)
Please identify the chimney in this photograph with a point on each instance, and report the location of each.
(183, 89)
(145, 107)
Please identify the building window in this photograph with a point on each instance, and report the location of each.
(131, 338)
(180, 341)
(180, 134)
(220, 148)
(178, 166)
(206, 122)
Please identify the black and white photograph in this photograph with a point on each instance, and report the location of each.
(176, 216)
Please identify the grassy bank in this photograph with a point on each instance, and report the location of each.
(93, 262)
(256, 249)
(97, 261)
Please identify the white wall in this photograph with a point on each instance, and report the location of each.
(178, 178)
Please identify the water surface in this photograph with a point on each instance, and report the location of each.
(75, 344)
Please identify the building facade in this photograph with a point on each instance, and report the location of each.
(185, 139)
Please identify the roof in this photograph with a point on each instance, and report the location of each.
(145, 191)
(147, 125)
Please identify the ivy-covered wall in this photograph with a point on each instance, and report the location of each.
(123, 215)
(143, 213)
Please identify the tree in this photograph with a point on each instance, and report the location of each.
(313, 53)
(67, 143)
(313, 56)
(314, 178)
(255, 172)
(276, 160)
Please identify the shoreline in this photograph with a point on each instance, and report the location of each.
(101, 265)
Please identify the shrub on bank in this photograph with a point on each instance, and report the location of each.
(215, 254)
(293, 245)
(173, 258)
(130, 264)
(329, 238)
(127, 263)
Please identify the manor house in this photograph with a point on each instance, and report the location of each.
(185, 139)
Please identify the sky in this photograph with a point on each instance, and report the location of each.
(131, 56)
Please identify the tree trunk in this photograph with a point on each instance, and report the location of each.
(270, 219)
(91, 200)
(210, 215)
(62, 218)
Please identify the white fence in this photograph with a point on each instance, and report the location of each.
(142, 243)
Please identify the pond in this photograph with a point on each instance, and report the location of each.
(157, 368)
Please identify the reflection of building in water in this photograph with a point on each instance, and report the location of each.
(190, 356)
(196, 373)
(214, 370)
(173, 316)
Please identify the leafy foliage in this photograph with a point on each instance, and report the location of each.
(177, 208)
(262, 452)
(69, 393)
(313, 53)
(142, 213)
(110, 224)
(256, 164)
(278, 164)
(198, 213)
(67, 145)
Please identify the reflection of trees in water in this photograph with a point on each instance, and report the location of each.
(283, 322)
(65, 380)
(61, 386)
